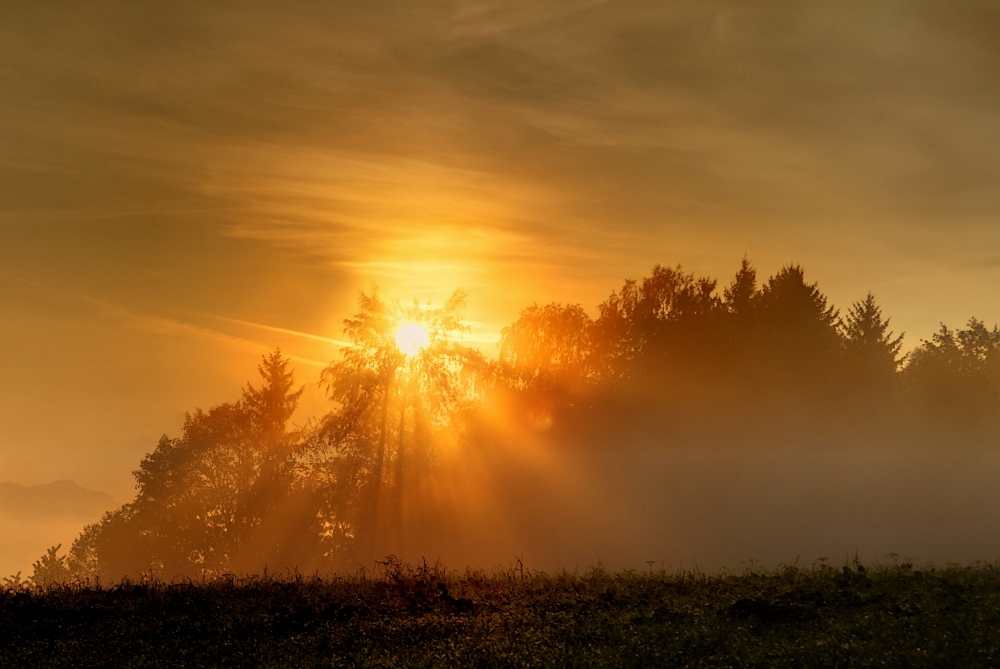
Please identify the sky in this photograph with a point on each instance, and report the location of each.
(186, 185)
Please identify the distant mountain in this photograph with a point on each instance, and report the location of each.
(60, 499)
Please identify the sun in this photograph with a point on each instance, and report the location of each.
(411, 338)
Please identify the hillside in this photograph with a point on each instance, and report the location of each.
(59, 499)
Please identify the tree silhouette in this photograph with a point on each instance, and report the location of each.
(50, 568)
(264, 509)
(667, 361)
(956, 374)
(739, 297)
(873, 352)
(656, 327)
(740, 301)
(548, 347)
(797, 335)
(374, 381)
(203, 499)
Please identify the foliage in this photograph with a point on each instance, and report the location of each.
(957, 373)
(548, 347)
(870, 347)
(894, 615)
(204, 499)
(392, 411)
(50, 568)
(667, 360)
(649, 324)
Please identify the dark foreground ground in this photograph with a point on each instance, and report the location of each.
(886, 616)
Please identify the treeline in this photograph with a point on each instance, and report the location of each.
(766, 361)
(670, 360)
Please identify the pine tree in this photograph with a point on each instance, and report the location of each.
(872, 349)
(271, 407)
(741, 293)
(797, 321)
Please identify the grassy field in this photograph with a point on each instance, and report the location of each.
(824, 617)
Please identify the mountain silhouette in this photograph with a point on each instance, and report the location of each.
(59, 499)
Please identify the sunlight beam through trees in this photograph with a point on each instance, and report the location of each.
(669, 359)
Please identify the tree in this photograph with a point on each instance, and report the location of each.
(263, 509)
(373, 382)
(955, 376)
(50, 568)
(658, 328)
(740, 301)
(739, 297)
(204, 500)
(548, 347)
(797, 333)
(666, 361)
(872, 350)
(271, 407)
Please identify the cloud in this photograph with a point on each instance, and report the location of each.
(663, 111)
(294, 333)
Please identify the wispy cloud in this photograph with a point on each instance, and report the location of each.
(294, 333)
(171, 327)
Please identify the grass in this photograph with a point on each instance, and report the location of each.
(897, 616)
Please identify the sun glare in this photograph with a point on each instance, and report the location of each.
(411, 338)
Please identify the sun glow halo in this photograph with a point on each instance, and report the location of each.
(411, 338)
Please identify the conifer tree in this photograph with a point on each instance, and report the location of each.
(740, 295)
(872, 349)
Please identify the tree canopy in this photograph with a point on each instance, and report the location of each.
(243, 488)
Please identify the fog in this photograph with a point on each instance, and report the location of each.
(679, 508)
(729, 509)
(36, 517)
(685, 427)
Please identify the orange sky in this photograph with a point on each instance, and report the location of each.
(184, 186)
